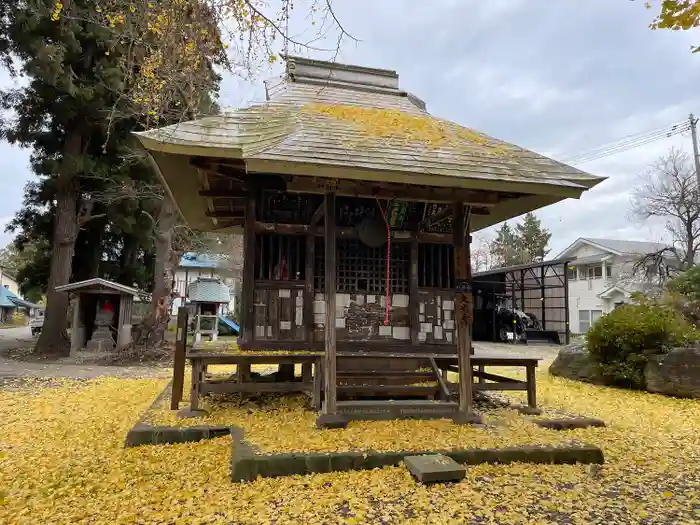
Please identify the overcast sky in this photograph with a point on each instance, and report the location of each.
(560, 78)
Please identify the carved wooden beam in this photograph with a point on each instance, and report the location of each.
(394, 191)
(318, 214)
(348, 233)
(431, 221)
(224, 193)
(205, 162)
(223, 214)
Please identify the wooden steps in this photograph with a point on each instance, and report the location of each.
(394, 409)
(391, 391)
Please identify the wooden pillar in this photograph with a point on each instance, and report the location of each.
(247, 294)
(567, 328)
(413, 291)
(180, 358)
(330, 417)
(464, 304)
(309, 289)
(330, 383)
(77, 331)
(543, 298)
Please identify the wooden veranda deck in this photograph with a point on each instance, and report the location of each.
(433, 399)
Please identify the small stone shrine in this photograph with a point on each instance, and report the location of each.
(101, 314)
(101, 338)
(207, 295)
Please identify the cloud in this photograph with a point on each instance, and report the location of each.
(560, 78)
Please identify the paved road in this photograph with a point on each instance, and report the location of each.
(73, 367)
(546, 352)
(70, 367)
(15, 337)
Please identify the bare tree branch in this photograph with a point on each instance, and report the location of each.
(669, 191)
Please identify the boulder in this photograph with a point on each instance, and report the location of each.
(574, 362)
(675, 374)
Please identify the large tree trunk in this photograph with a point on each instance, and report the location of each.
(53, 338)
(128, 260)
(153, 328)
(88, 249)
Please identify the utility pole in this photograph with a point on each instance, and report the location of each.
(696, 155)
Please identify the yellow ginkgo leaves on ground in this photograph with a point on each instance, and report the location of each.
(62, 461)
(282, 425)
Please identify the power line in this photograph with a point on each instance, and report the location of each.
(630, 146)
(630, 139)
(629, 142)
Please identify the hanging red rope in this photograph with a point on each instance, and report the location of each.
(388, 260)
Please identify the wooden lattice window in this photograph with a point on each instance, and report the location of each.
(362, 269)
(319, 265)
(435, 266)
(279, 257)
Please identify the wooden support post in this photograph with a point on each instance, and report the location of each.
(243, 373)
(567, 328)
(543, 293)
(531, 387)
(306, 370)
(195, 391)
(460, 233)
(318, 384)
(413, 299)
(180, 358)
(247, 295)
(309, 288)
(329, 417)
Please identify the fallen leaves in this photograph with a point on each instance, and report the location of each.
(62, 461)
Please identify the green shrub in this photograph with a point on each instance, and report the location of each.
(687, 284)
(622, 341)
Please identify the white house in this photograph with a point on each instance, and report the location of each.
(8, 280)
(192, 266)
(600, 277)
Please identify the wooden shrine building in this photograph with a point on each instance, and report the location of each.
(356, 207)
(101, 314)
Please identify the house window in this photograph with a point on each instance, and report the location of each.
(608, 270)
(597, 272)
(571, 273)
(584, 321)
(587, 318)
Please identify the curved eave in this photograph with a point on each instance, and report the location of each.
(183, 183)
(179, 148)
(489, 182)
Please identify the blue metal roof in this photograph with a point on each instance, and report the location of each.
(197, 260)
(10, 300)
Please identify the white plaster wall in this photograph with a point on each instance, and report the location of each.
(344, 300)
(583, 293)
(9, 283)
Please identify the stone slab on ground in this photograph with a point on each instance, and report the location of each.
(574, 362)
(247, 464)
(435, 468)
(675, 374)
(569, 423)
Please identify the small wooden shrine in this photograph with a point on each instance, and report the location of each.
(356, 207)
(207, 295)
(101, 314)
